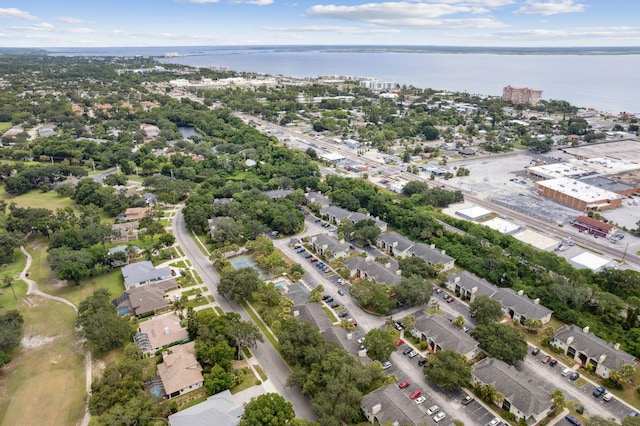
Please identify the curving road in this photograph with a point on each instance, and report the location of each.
(272, 363)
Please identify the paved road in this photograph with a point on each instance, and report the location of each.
(272, 363)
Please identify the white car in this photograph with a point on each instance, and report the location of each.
(361, 340)
(420, 399)
(386, 365)
(413, 353)
(494, 422)
(439, 416)
(607, 396)
(566, 372)
(432, 410)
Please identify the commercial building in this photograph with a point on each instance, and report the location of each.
(578, 195)
(594, 226)
(521, 95)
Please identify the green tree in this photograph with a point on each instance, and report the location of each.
(600, 421)
(239, 284)
(244, 334)
(414, 291)
(558, 399)
(458, 322)
(501, 341)
(485, 309)
(380, 344)
(100, 323)
(448, 369)
(409, 323)
(218, 379)
(269, 409)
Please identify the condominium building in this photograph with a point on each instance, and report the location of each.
(521, 95)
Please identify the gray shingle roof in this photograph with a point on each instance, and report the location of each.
(521, 304)
(394, 406)
(401, 242)
(376, 271)
(316, 197)
(445, 334)
(150, 297)
(332, 244)
(431, 255)
(469, 281)
(520, 389)
(278, 193)
(594, 347)
(144, 271)
(221, 407)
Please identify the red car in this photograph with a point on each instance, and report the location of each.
(545, 359)
(404, 384)
(416, 393)
(399, 342)
(450, 299)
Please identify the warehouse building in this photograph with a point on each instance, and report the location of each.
(578, 195)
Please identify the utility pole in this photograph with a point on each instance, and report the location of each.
(625, 252)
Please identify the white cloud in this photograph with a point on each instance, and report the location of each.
(256, 2)
(331, 29)
(483, 3)
(12, 12)
(534, 7)
(369, 12)
(70, 20)
(622, 33)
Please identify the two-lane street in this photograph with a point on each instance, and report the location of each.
(272, 363)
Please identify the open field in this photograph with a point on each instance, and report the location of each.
(44, 384)
(4, 125)
(7, 301)
(48, 200)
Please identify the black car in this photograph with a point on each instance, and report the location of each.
(329, 300)
(341, 293)
(574, 376)
(407, 350)
(535, 351)
(422, 361)
(334, 305)
(553, 362)
(325, 297)
(343, 314)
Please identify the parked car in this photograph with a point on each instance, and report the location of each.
(465, 328)
(607, 397)
(334, 305)
(313, 260)
(353, 322)
(398, 326)
(535, 351)
(445, 296)
(572, 420)
(598, 392)
(553, 362)
(343, 314)
(432, 410)
(416, 393)
(438, 290)
(466, 400)
(579, 409)
(308, 256)
(407, 350)
(386, 364)
(422, 361)
(494, 422)
(341, 293)
(574, 376)
(404, 384)
(325, 297)
(420, 399)
(450, 299)
(399, 342)
(566, 372)
(413, 354)
(329, 300)
(300, 250)
(441, 415)
(545, 359)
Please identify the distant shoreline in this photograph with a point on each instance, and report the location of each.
(101, 51)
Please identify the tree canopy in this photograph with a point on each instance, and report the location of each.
(501, 341)
(100, 323)
(269, 409)
(448, 369)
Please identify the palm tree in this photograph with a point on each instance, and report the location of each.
(389, 322)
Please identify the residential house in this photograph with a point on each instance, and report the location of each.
(468, 286)
(441, 334)
(140, 273)
(126, 250)
(160, 331)
(151, 132)
(389, 406)
(180, 371)
(123, 232)
(394, 244)
(149, 198)
(222, 407)
(47, 131)
(523, 394)
(591, 351)
(518, 307)
(147, 299)
(329, 247)
(388, 273)
(314, 314)
(135, 213)
(214, 222)
(432, 255)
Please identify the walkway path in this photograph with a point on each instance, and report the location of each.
(32, 289)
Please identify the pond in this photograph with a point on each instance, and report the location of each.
(187, 132)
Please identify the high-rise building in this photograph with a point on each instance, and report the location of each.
(521, 95)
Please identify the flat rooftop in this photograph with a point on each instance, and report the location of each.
(558, 170)
(580, 190)
(629, 149)
(605, 164)
(587, 260)
(473, 212)
(536, 239)
(501, 225)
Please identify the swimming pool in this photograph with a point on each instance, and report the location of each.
(280, 284)
(156, 390)
(124, 310)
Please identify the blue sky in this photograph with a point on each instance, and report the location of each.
(553, 23)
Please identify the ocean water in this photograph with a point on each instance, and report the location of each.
(605, 79)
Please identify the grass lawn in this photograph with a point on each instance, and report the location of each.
(45, 382)
(247, 379)
(7, 300)
(260, 371)
(4, 125)
(192, 292)
(197, 302)
(48, 200)
(179, 264)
